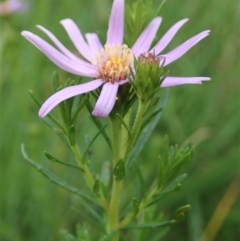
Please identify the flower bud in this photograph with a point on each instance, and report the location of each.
(149, 75)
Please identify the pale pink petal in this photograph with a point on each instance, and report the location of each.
(62, 48)
(116, 23)
(144, 41)
(168, 36)
(122, 82)
(106, 100)
(76, 36)
(67, 93)
(17, 5)
(173, 81)
(94, 42)
(12, 6)
(184, 47)
(58, 58)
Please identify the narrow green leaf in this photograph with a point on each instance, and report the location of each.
(119, 170)
(52, 123)
(54, 159)
(150, 118)
(146, 132)
(135, 206)
(173, 185)
(92, 141)
(56, 179)
(83, 233)
(79, 107)
(96, 188)
(94, 223)
(66, 236)
(181, 212)
(174, 169)
(107, 237)
(142, 185)
(98, 124)
(160, 7)
(71, 135)
(160, 172)
(151, 225)
(49, 116)
(55, 81)
(162, 194)
(93, 212)
(165, 150)
(123, 123)
(178, 159)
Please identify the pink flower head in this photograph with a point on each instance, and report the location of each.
(108, 65)
(12, 6)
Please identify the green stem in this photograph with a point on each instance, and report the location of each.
(113, 213)
(116, 138)
(87, 175)
(128, 219)
(142, 107)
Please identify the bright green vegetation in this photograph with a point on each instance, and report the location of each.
(32, 208)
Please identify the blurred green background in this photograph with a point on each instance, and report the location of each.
(32, 208)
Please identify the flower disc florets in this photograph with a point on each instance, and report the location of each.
(113, 62)
(149, 59)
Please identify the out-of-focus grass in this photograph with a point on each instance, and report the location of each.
(33, 209)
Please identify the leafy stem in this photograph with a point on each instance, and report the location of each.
(113, 212)
(87, 175)
(142, 107)
(128, 219)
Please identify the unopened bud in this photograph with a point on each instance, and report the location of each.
(148, 75)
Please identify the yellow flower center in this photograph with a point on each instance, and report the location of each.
(113, 62)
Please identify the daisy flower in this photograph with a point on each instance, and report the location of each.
(12, 6)
(109, 65)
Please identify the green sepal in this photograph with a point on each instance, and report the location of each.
(96, 188)
(148, 76)
(55, 82)
(71, 135)
(180, 213)
(119, 170)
